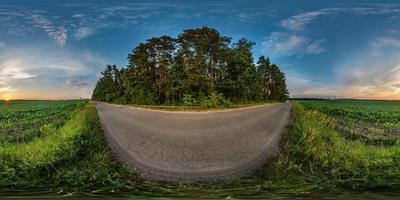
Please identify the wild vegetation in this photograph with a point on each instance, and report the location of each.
(68, 152)
(318, 155)
(199, 67)
(345, 156)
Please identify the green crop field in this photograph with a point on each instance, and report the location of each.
(374, 122)
(355, 143)
(385, 113)
(329, 146)
(23, 119)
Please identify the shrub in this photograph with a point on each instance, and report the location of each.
(214, 100)
(226, 103)
(188, 100)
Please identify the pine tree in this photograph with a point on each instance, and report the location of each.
(264, 70)
(279, 90)
(199, 63)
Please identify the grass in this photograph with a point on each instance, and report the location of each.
(316, 157)
(384, 113)
(74, 154)
(198, 108)
(347, 163)
(23, 120)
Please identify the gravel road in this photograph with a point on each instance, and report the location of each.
(193, 146)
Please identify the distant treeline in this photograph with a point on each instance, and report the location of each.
(199, 66)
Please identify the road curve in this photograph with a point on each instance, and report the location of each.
(193, 146)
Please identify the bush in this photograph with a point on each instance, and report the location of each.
(226, 103)
(188, 100)
(214, 100)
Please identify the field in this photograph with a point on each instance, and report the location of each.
(355, 144)
(49, 145)
(330, 146)
(22, 120)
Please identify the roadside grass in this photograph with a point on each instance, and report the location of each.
(199, 108)
(73, 160)
(345, 163)
(25, 163)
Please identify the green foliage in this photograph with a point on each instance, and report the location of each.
(198, 62)
(226, 103)
(214, 100)
(211, 101)
(188, 100)
(109, 87)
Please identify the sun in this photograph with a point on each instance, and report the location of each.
(7, 98)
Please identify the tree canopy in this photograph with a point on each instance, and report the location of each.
(198, 67)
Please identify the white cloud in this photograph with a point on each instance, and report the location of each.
(83, 32)
(2, 44)
(375, 80)
(285, 44)
(386, 42)
(295, 42)
(58, 34)
(298, 22)
(78, 84)
(25, 70)
(5, 89)
(324, 92)
(10, 70)
(92, 17)
(296, 26)
(367, 78)
(379, 44)
(315, 47)
(10, 73)
(297, 79)
(78, 15)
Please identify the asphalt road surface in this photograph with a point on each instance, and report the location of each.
(193, 146)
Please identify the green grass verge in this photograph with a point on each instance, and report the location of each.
(64, 156)
(198, 108)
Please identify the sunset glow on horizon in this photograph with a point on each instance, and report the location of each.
(56, 50)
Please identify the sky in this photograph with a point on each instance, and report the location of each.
(327, 49)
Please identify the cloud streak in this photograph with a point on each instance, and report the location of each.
(386, 42)
(369, 78)
(21, 69)
(378, 45)
(83, 32)
(296, 42)
(83, 25)
(299, 22)
(75, 83)
(284, 44)
(58, 34)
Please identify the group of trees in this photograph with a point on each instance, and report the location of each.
(197, 65)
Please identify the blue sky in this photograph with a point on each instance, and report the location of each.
(56, 49)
